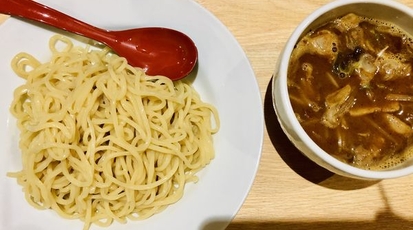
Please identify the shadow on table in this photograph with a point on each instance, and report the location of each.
(297, 161)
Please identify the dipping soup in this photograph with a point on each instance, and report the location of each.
(351, 87)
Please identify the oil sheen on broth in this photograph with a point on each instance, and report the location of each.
(351, 87)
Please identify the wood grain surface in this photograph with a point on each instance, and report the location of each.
(289, 191)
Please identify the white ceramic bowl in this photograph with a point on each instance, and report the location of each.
(387, 10)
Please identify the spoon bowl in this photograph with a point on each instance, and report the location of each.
(157, 50)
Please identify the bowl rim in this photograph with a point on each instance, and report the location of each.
(282, 78)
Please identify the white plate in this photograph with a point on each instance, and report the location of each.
(224, 78)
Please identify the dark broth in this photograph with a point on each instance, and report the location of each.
(350, 85)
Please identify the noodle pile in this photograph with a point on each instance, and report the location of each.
(101, 141)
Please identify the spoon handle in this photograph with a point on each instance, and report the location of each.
(35, 11)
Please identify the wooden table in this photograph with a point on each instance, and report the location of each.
(290, 192)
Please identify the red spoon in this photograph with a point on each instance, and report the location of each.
(159, 51)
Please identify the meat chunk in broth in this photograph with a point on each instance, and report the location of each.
(322, 43)
(337, 104)
(391, 67)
